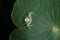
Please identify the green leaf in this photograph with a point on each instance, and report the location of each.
(45, 19)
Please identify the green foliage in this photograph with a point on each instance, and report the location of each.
(45, 20)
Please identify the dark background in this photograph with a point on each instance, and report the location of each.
(6, 24)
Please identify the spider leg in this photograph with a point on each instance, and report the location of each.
(28, 26)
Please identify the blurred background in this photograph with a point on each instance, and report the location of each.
(6, 24)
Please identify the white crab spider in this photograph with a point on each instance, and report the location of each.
(28, 20)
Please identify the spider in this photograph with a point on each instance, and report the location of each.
(28, 20)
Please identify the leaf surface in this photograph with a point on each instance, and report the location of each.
(45, 19)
